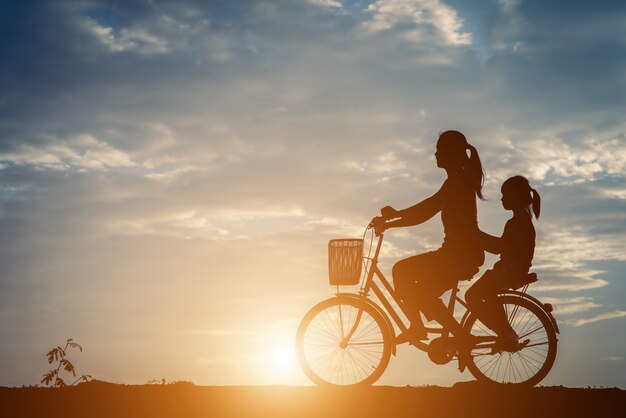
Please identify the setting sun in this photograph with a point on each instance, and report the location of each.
(172, 174)
(280, 358)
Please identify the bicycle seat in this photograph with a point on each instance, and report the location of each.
(523, 280)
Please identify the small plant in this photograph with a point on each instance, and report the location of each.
(158, 382)
(169, 382)
(58, 354)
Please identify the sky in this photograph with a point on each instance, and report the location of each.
(171, 172)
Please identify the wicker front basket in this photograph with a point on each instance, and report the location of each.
(345, 260)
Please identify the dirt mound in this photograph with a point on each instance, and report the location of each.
(102, 399)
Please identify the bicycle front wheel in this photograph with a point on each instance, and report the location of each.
(328, 357)
(527, 366)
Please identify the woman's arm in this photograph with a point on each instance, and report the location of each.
(418, 213)
(491, 243)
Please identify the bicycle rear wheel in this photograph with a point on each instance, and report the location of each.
(329, 362)
(528, 366)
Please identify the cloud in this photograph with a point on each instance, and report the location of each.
(126, 40)
(327, 3)
(570, 160)
(597, 318)
(561, 257)
(568, 306)
(560, 156)
(155, 155)
(80, 152)
(220, 224)
(420, 16)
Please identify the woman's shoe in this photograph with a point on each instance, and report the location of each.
(414, 333)
(510, 343)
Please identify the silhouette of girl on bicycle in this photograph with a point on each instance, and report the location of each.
(421, 279)
(516, 248)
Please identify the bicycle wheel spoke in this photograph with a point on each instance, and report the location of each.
(516, 370)
(532, 362)
(341, 322)
(366, 355)
(523, 364)
(536, 329)
(327, 358)
(529, 325)
(495, 367)
(526, 362)
(353, 368)
(365, 343)
(484, 331)
(365, 330)
(538, 344)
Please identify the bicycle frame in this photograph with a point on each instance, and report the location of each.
(370, 285)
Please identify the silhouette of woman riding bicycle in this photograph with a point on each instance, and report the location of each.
(504, 334)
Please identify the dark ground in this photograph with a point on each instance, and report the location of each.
(99, 399)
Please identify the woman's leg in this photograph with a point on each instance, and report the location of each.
(405, 273)
(431, 286)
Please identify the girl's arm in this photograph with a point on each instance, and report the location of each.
(418, 213)
(491, 243)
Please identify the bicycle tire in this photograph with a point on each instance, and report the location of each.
(366, 355)
(526, 367)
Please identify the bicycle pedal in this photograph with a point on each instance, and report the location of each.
(462, 363)
(411, 338)
(523, 345)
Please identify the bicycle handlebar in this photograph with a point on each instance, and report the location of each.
(378, 222)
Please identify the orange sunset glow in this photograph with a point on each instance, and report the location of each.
(172, 173)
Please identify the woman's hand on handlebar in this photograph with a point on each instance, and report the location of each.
(389, 213)
(378, 223)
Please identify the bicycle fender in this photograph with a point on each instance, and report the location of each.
(382, 313)
(465, 316)
(523, 296)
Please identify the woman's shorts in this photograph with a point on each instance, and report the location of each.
(437, 271)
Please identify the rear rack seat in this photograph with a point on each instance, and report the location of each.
(523, 281)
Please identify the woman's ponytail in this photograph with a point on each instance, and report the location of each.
(456, 145)
(536, 202)
(477, 175)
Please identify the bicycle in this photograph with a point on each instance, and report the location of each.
(348, 340)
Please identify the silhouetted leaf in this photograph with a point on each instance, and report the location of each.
(68, 366)
(76, 345)
(84, 378)
(60, 383)
(51, 355)
(47, 378)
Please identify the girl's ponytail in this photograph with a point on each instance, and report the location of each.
(536, 202)
(476, 172)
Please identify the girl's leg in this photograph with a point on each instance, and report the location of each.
(480, 297)
(482, 300)
(498, 317)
